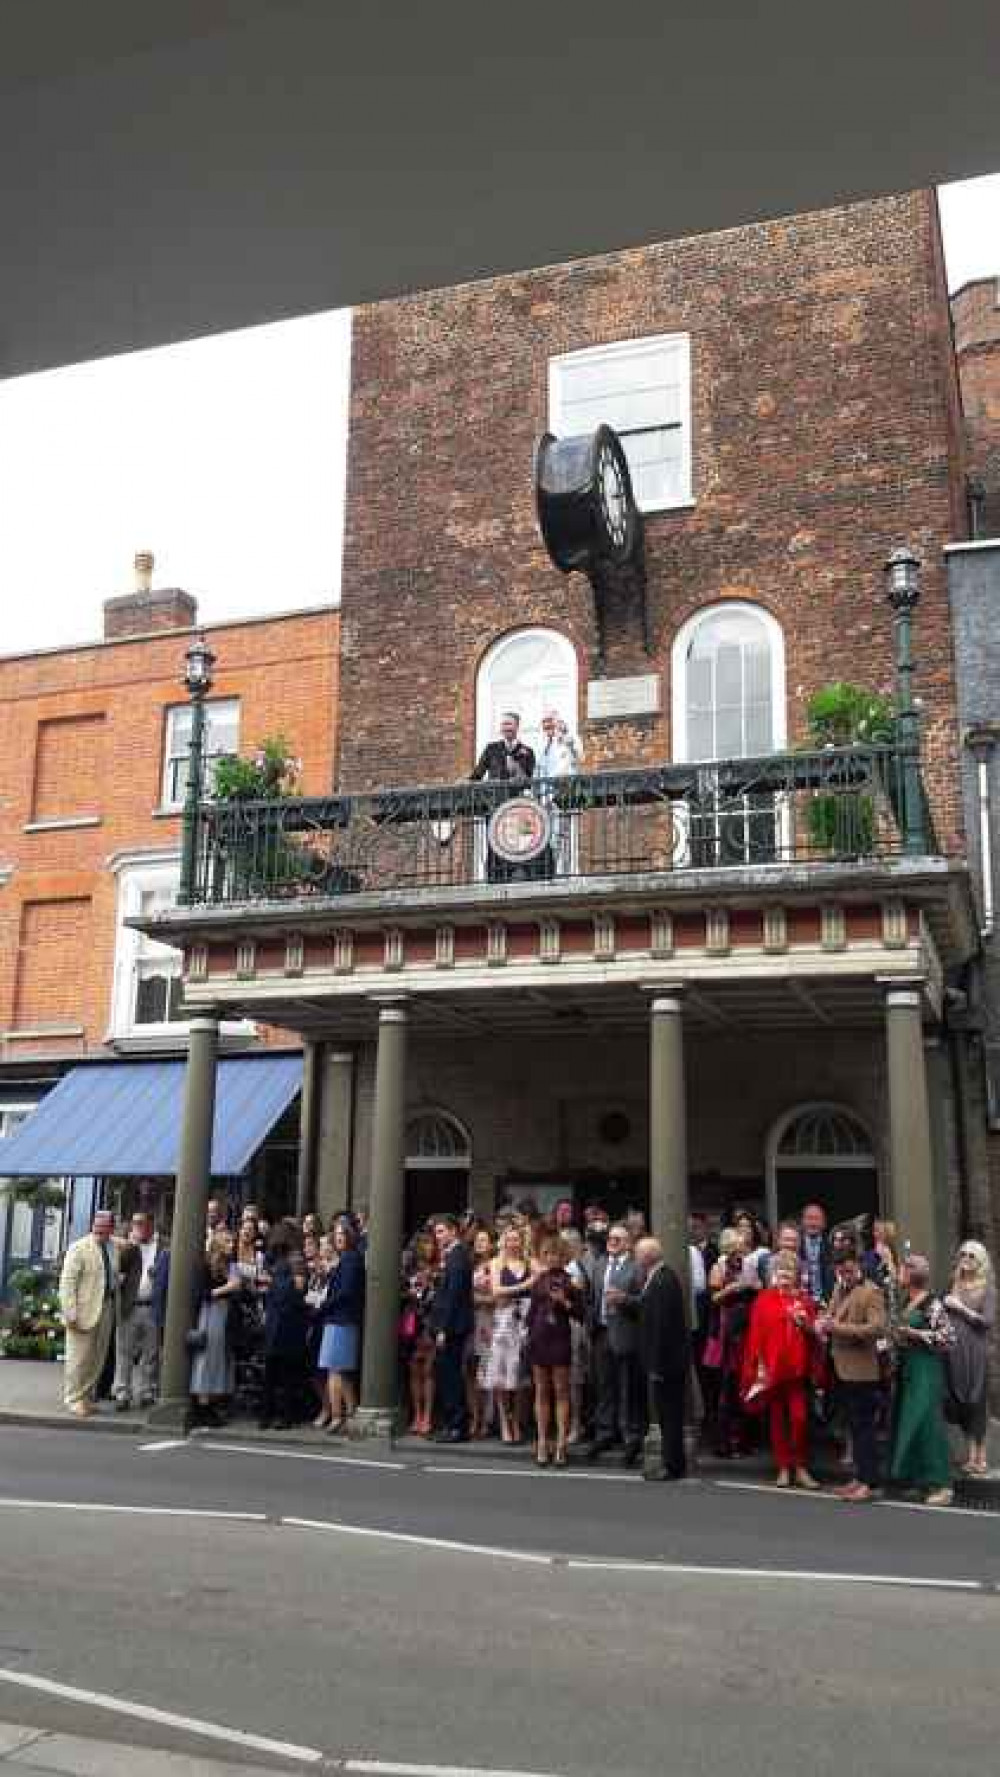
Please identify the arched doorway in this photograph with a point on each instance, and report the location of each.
(438, 1161)
(824, 1152)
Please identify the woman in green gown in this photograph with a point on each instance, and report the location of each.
(920, 1453)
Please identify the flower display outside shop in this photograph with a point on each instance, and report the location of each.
(33, 1324)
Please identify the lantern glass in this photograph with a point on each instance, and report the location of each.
(198, 663)
(903, 575)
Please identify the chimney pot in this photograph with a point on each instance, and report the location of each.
(144, 571)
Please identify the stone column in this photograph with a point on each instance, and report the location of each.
(668, 1179)
(380, 1375)
(309, 1104)
(335, 1133)
(191, 1193)
(911, 1154)
(668, 1161)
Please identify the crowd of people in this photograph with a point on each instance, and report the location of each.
(564, 1330)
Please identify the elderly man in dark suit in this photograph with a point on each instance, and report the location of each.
(614, 1332)
(664, 1353)
(451, 1319)
(507, 760)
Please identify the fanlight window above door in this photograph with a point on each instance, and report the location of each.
(436, 1139)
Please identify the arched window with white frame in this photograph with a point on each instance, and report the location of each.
(728, 681)
(728, 699)
(528, 671)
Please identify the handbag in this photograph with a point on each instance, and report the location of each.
(711, 1357)
(196, 1339)
(408, 1325)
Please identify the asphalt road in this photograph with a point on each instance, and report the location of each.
(697, 1628)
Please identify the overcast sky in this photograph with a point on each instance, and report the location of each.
(226, 458)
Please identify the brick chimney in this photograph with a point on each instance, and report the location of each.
(144, 611)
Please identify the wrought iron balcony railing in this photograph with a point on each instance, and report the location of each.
(835, 805)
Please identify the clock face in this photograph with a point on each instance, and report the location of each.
(614, 501)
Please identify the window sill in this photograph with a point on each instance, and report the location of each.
(167, 814)
(674, 506)
(173, 1038)
(67, 821)
(33, 1033)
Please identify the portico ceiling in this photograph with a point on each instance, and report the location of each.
(184, 166)
(711, 1009)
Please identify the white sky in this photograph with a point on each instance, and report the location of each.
(226, 458)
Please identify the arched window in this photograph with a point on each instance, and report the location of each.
(728, 677)
(435, 1139)
(530, 671)
(824, 1152)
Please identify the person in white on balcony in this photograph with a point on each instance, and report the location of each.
(561, 754)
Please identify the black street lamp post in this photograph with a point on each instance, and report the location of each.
(198, 663)
(902, 571)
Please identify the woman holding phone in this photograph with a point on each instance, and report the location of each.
(553, 1304)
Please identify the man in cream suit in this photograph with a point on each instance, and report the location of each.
(87, 1294)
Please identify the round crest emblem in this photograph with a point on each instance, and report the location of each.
(520, 830)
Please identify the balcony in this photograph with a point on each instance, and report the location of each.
(852, 805)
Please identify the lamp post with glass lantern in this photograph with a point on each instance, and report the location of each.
(902, 571)
(198, 663)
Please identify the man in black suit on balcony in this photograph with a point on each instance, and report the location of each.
(507, 760)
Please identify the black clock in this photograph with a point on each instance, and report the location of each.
(586, 508)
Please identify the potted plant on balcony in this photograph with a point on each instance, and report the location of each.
(252, 848)
(841, 715)
(265, 843)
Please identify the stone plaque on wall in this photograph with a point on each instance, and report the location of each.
(611, 698)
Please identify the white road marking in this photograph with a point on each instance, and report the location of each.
(164, 1444)
(424, 1542)
(882, 1505)
(83, 1505)
(289, 1454)
(692, 1569)
(521, 1474)
(367, 1767)
(778, 1492)
(164, 1718)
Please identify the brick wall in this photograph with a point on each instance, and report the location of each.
(69, 759)
(53, 708)
(51, 962)
(976, 318)
(536, 1107)
(825, 431)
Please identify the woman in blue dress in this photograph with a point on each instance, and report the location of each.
(342, 1314)
(213, 1367)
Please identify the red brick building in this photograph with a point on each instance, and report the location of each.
(725, 971)
(975, 313)
(94, 741)
(712, 961)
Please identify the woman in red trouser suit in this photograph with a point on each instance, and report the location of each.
(780, 1353)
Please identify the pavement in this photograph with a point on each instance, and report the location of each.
(31, 1394)
(31, 1752)
(293, 1608)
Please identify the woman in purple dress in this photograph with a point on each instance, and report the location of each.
(554, 1303)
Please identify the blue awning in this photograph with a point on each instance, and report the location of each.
(123, 1118)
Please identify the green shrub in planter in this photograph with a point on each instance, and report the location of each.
(845, 715)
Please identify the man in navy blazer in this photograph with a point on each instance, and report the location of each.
(452, 1320)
